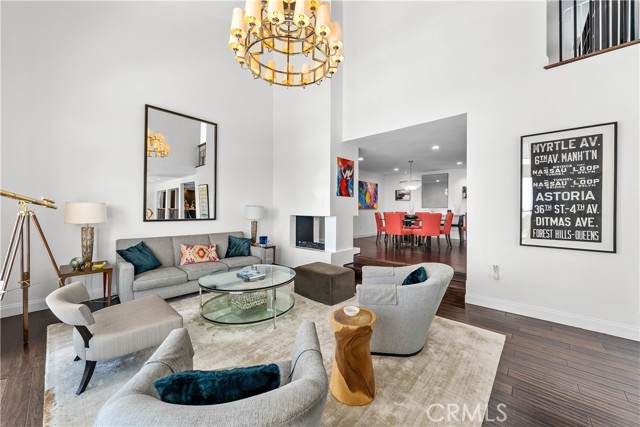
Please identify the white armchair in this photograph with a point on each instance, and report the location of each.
(404, 313)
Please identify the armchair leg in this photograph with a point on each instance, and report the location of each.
(89, 367)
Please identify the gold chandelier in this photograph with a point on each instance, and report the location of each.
(287, 42)
(156, 145)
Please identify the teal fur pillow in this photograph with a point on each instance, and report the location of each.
(238, 246)
(418, 275)
(141, 257)
(213, 387)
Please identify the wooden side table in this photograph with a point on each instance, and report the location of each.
(66, 272)
(352, 380)
(273, 247)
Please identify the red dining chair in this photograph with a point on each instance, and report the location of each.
(463, 229)
(393, 225)
(380, 226)
(430, 226)
(446, 229)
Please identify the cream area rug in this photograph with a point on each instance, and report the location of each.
(447, 384)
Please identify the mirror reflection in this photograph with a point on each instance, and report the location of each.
(180, 167)
(435, 190)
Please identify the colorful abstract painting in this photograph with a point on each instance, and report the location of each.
(367, 195)
(345, 177)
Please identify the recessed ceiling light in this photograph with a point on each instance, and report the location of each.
(458, 163)
(396, 169)
(361, 158)
(437, 180)
(435, 147)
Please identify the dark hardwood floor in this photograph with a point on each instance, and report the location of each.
(549, 374)
(456, 256)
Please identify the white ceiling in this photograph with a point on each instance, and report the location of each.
(385, 151)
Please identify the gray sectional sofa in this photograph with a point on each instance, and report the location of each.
(172, 279)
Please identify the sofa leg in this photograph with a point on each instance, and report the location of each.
(76, 359)
(89, 367)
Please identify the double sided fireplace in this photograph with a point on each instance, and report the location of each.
(309, 232)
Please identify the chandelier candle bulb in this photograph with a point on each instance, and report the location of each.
(268, 73)
(275, 11)
(233, 44)
(302, 13)
(337, 58)
(306, 77)
(323, 20)
(254, 66)
(253, 13)
(240, 55)
(237, 24)
(335, 38)
(313, 5)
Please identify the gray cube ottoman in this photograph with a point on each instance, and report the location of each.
(325, 283)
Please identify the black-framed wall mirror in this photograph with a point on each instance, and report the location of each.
(435, 190)
(179, 166)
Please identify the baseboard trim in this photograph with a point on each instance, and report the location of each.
(570, 319)
(357, 236)
(15, 309)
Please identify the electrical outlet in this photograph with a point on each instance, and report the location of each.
(496, 272)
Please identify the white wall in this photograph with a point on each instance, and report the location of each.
(75, 79)
(457, 178)
(486, 59)
(364, 224)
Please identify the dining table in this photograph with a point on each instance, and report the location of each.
(458, 221)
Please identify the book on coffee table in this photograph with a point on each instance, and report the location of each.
(250, 275)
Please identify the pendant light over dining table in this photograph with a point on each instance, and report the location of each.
(287, 42)
(410, 184)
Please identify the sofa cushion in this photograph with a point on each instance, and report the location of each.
(158, 278)
(192, 254)
(201, 269)
(213, 387)
(240, 261)
(195, 239)
(238, 246)
(160, 246)
(221, 240)
(140, 256)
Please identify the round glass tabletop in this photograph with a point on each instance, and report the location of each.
(248, 295)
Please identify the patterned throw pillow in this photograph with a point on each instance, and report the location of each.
(190, 254)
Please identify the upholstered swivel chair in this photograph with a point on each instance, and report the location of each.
(299, 401)
(404, 313)
(113, 331)
(429, 227)
(380, 226)
(446, 229)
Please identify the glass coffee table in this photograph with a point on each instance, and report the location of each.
(237, 301)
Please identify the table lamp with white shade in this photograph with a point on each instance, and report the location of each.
(85, 213)
(254, 213)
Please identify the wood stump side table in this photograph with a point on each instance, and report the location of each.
(352, 380)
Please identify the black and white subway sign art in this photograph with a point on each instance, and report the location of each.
(567, 189)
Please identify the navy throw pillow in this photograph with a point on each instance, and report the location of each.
(141, 257)
(238, 246)
(213, 387)
(418, 275)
